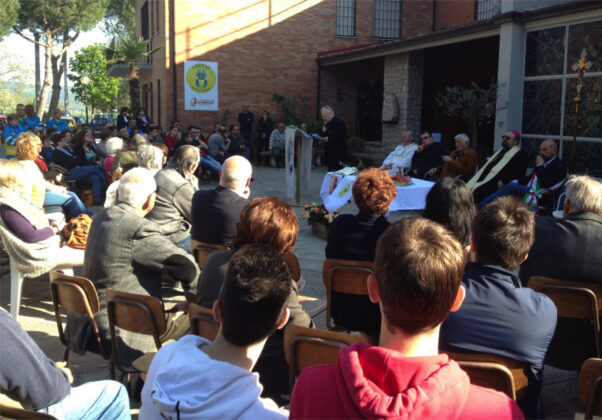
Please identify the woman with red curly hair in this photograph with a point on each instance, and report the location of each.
(353, 237)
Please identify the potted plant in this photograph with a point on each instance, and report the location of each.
(319, 218)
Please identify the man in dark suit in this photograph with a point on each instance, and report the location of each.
(334, 135)
(427, 156)
(215, 213)
(127, 252)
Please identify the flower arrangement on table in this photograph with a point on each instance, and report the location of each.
(317, 213)
(402, 181)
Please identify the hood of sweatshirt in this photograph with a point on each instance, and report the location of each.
(191, 385)
(381, 383)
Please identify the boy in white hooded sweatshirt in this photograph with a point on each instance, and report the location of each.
(195, 378)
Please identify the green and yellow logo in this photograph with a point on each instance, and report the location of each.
(200, 78)
(344, 191)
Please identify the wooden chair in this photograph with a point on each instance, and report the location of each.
(313, 306)
(293, 265)
(589, 387)
(574, 300)
(344, 276)
(202, 250)
(304, 347)
(136, 313)
(75, 294)
(8, 412)
(202, 322)
(497, 372)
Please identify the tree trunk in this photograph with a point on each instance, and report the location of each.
(41, 100)
(134, 91)
(57, 75)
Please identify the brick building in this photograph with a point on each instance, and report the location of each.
(350, 54)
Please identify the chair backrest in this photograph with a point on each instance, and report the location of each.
(293, 265)
(202, 250)
(575, 300)
(202, 322)
(589, 386)
(497, 372)
(304, 347)
(75, 294)
(7, 412)
(344, 276)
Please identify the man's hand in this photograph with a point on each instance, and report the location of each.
(415, 172)
(539, 160)
(63, 366)
(420, 149)
(432, 171)
(324, 139)
(446, 158)
(500, 184)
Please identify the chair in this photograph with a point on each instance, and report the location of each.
(202, 322)
(497, 372)
(293, 265)
(8, 412)
(304, 347)
(589, 387)
(75, 294)
(313, 306)
(344, 276)
(202, 250)
(574, 300)
(136, 313)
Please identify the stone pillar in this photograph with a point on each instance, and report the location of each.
(403, 77)
(511, 64)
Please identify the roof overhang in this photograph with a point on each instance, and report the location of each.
(123, 70)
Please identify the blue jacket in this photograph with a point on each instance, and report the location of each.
(500, 317)
(30, 124)
(10, 134)
(65, 158)
(59, 125)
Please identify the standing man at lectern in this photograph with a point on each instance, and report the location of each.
(334, 137)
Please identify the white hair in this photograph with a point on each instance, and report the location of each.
(150, 157)
(585, 194)
(135, 186)
(328, 109)
(462, 136)
(114, 144)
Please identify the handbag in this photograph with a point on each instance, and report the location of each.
(75, 233)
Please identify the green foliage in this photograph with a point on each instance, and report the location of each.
(12, 94)
(120, 19)
(356, 144)
(223, 118)
(289, 107)
(313, 125)
(48, 15)
(102, 91)
(9, 11)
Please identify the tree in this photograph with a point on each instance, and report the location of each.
(58, 25)
(102, 90)
(120, 19)
(468, 104)
(8, 16)
(130, 50)
(14, 78)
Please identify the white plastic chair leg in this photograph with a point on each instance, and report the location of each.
(16, 283)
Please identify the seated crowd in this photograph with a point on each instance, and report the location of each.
(445, 281)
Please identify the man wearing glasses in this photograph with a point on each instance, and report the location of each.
(507, 164)
(427, 156)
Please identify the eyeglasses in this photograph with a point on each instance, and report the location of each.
(507, 138)
(424, 137)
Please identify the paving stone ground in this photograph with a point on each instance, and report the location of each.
(37, 316)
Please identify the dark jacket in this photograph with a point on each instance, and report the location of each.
(548, 175)
(245, 119)
(500, 317)
(215, 214)
(64, 158)
(336, 147)
(429, 157)
(26, 373)
(514, 169)
(122, 122)
(129, 253)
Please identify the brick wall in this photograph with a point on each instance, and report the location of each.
(416, 18)
(453, 12)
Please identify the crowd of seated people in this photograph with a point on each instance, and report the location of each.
(442, 282)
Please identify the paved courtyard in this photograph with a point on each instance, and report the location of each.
(37, 317)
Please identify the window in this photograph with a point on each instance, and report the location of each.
(550, 88)
(487, 9)
(144, 29)
(387, 19)
(346, 18)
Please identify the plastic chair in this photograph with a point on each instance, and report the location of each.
(202, 322)
(344, 276)
(589, 387)
(75, 294)
(8, 412)
(304, 347)
(202, 250)
(136, 313)
(497, 372)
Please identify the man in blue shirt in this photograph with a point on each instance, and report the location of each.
(499, 316)
(56, 122)
(32, 122)
(10, 134)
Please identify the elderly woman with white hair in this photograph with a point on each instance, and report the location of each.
(114, 145)
(460, 162)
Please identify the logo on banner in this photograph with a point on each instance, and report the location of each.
(344, 191)
(201, 78)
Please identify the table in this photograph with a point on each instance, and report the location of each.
(335, 194)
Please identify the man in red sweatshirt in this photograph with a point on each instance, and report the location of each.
(418, 269)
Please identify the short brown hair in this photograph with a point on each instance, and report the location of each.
(27, 146)
(270, 221)
(503, 232)
(373, 191)
(418, 268)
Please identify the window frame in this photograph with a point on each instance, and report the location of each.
(339, 24)
(384, 21)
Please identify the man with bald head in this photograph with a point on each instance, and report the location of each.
(547, 176)
(215, 213)
(401, 158)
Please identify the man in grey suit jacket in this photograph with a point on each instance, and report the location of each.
(127, 252)
(215, 213)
